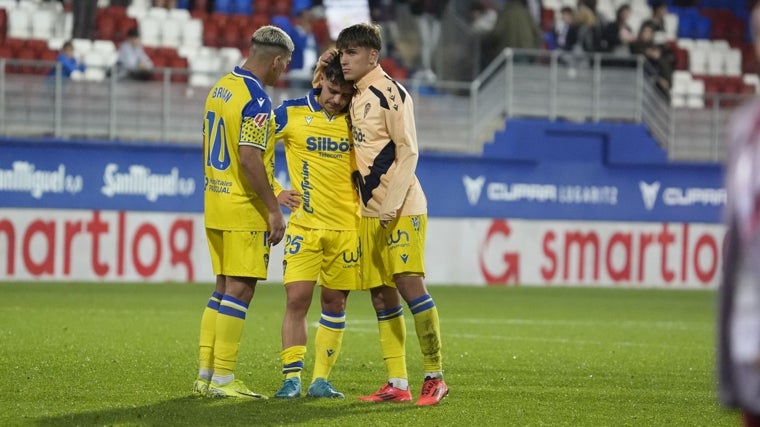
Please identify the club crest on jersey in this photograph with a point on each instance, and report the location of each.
(367, 106)
(416, 223)
(260, 120)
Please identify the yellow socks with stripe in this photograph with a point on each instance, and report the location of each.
(390, 324)
(207, 336)
(428, 329)
(292, 360)
(327, 342)
(229, 329)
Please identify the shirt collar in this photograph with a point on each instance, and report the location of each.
(246, 73)
(311, 99)
(375, 74)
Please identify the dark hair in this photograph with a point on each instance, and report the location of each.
(132, 32)
(333, 71)
(621, 10)
(567, 9)
(67, 44)
(360, 35)
(658, 4)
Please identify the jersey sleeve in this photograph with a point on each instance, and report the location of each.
(255, 124)
(401, 130)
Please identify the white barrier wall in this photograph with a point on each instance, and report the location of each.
(53, 244)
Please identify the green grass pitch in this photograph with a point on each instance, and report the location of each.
(125, 354)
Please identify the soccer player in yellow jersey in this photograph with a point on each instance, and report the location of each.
(394, 215)
(242, 214)
(321, 240)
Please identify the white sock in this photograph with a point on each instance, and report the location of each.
(205, 374)
(222, 379)
(399, 383)
(435, 375)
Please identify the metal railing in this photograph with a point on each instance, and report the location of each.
(450, 116)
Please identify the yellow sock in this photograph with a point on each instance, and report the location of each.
(229, 329)
(428, 329)
(208, 331)
(292, 360)
(392, 330)
(328, 342)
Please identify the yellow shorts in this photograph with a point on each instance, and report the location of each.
(328, 256)
(239, 253)
(396, 250)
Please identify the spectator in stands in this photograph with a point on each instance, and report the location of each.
(535, 7)
(133, 62)
(428, 14)
(588, 27)
(483, 17)
(383, 13)
(514, 28)
(69, 63)
(618, 35)
(566, 32)
(660, 60)
(659, 12)
(168, 4)
(305, 54)
(738, 357)
(84, 18)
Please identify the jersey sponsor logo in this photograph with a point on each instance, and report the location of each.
(351, 257)
(260, 120)
(306, 188)
(397, 239)
(326, 143)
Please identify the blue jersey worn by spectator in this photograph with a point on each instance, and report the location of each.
(68, 62)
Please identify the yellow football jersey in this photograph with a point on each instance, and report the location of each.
(320, 160)
(238, 112)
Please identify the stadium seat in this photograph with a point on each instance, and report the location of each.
(256, 21)
(211, 34)
(230, 36)
(178, 14)
(171, 34)
(27, 67)
(696, 94)
(43, 24)
(180, 64)
(150, 31)
(192, 32)
(105, 28)
(36, 45)
(19, 24)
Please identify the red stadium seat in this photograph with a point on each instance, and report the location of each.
(211, 35)
(36, 45)
(50, 56)
(27, 55)
(321, 33)
(123, 25)
(256, 21)
(105, 28)
(15, 45)
(179, 63)
(230, 36)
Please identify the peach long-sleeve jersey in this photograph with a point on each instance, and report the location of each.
(385, 141)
